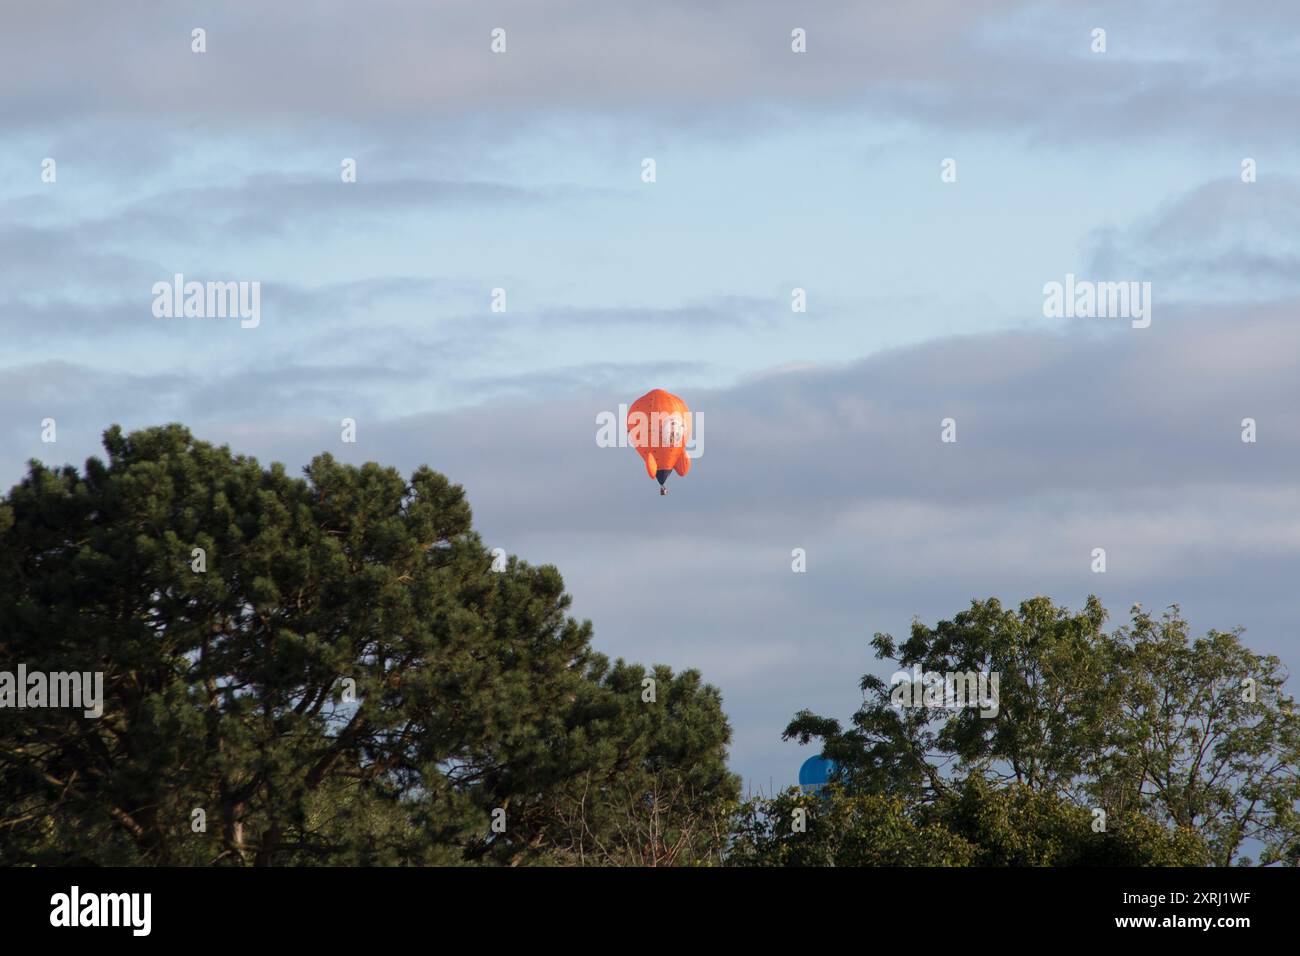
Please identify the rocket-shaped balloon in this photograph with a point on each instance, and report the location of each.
(658, 427)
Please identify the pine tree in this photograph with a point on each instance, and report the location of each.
(314, 670)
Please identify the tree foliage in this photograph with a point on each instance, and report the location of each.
(976, 823)
(329, 669)
(326, 667)
(1143, 723)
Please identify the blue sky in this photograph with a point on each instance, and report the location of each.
(774, 170)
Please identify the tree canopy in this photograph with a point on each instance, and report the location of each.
(333, 669)
(1143, 725)
(323, 669)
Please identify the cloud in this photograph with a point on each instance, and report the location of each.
(1224, 240)
(1118, 438)
(1171, 68)
(412, 58)
(271, 205)
(726, 312)
(1089, 435)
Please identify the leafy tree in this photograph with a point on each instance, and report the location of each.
(1056, 698)
(1207, 741)
(975, 823)
(1141, 720)
(327, 667)
(839, 828)
(1017, 825)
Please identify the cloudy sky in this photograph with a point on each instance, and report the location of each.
(775, 170)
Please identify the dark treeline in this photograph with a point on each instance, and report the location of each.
(332, 669)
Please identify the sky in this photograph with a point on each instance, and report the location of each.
(823, 170)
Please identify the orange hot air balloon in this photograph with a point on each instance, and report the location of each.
(658, 427)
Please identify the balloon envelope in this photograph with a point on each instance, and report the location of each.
(658, 427)
(815, 772)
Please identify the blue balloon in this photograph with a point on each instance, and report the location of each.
(815, 772)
